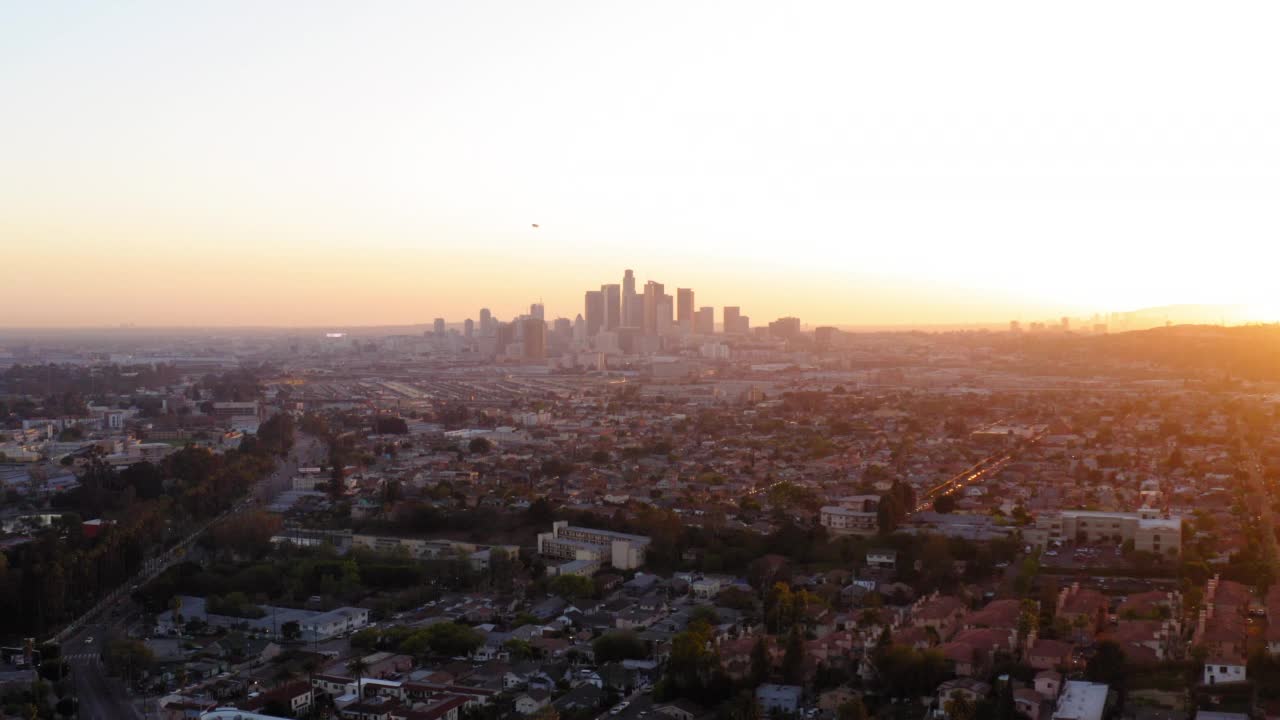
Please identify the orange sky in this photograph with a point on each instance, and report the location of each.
(861, 164)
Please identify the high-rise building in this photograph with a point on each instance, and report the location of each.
(486, 322)
(579, 330)
(731, 315)
(666, 315)
(594, 312)
(535, 338)
(612, 306)
(438, 327)
(506, 334)
(826, 336)
(563, 329)
(787, 328)
(538, 311)
(468, 328)
(704, 322)
(653, 292)
(631, 311)
(684, 309)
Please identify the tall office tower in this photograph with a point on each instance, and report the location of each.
(468, 328)
(653, 293)
(1015, 326)
(744, 325)
(731, 315)
(535, 338)
(612, 306)
(563, 329)
(666, 315)
(506, 334)
(630, 303)
(684, 309)
(826, 336)
(579, 330)
(439, 326)
(704, 322)
(486, 322)
(787, 328)
(538, 311)
(594, 311)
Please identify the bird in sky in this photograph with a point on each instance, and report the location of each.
(535, 224)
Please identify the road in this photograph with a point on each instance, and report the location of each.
(974, 474)
(105, 698)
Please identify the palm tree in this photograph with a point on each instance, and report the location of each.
(358, 667)
(311, 664)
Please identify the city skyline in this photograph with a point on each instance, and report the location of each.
(154, 178)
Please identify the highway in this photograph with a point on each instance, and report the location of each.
(102, 697)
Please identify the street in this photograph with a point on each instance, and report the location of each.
(102, 697)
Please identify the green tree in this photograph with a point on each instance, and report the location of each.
(793, 658)
(1107, 665)
(358, 666)
(852, 710)
(617, 646)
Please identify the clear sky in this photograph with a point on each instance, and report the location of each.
(173, 163)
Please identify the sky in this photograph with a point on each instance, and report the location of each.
(326, 164)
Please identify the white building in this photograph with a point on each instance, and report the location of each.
(569, 542)
(1081, 701)
(1221, 672)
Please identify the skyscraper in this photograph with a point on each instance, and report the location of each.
(787, 328)
(684, 309)
(594, 312)
(631, 311)
(486, 322)
(653, 292)
(666, 315)
(468, 328)
(612, 306)
(731, 315)
(536, 310)
(704, 322)
(535, 338)
(438, 327)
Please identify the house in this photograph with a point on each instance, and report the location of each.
(296, 696)
(680, 709)
(882, 559)
(1082, 609)
(942, 613)
(1048, 683)
(1049, 654)
(1219, 671)
(581, 698)
(967, 688)
(781, 698)
(528, 703)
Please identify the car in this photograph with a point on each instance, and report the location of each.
(88, 640)
(620, 707)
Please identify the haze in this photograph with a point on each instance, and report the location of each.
(876, 163)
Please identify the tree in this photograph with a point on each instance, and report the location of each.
(944, 504)
(852, 710)
(761, 663)
(793, 658)
(960, 707)
(479, 446)
(572, 586)
(358, 666)
(291, 630)
(1107, 664)
(618, 646)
